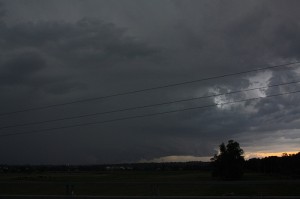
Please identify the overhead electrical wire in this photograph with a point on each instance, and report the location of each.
(145, 115)
(146, 106)
(146, 89)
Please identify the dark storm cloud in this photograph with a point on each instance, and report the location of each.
(57, 51)
(2, 10)
(287, 40)
(32, 52)
(20, 70)
(267, 32)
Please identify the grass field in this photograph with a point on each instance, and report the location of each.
(145, 183)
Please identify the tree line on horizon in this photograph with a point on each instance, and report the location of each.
(288, 165)
(229, 163)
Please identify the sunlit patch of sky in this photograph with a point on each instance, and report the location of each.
(255, 81)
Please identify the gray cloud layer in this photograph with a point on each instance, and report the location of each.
(59, 51)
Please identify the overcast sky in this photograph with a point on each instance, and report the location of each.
(58, 51)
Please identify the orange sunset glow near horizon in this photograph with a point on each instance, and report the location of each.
(262, 154)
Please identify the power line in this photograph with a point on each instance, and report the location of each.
(145, 115)
(145, 89)
(145, 106)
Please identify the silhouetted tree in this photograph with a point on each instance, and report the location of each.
(228, 164)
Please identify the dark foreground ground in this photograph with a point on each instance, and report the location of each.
(143, 184)
(150, 197)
